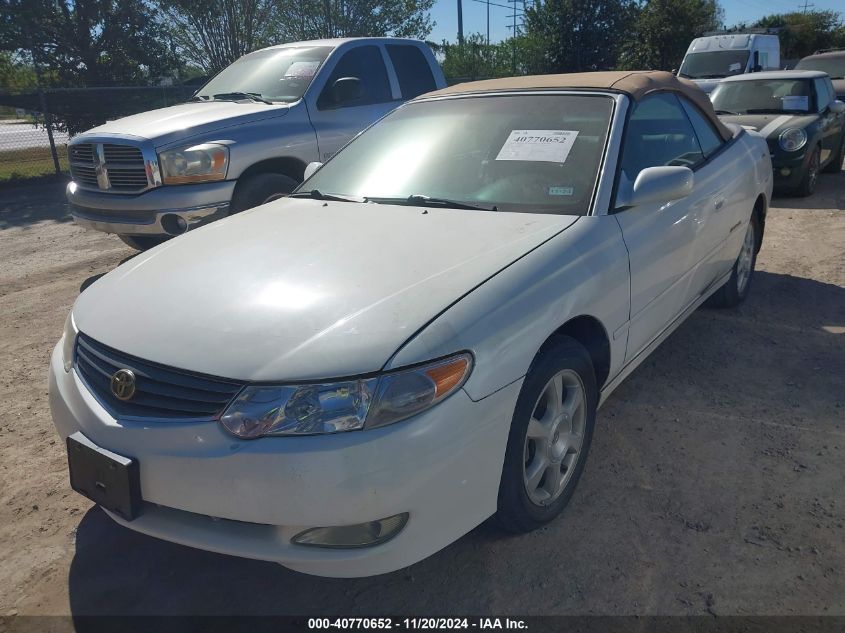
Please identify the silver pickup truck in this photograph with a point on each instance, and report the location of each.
(245, 137)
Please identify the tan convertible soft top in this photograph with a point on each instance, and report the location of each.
(636, 84)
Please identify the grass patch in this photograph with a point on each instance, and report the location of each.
(30, 162)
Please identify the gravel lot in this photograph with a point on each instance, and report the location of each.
(715, 483)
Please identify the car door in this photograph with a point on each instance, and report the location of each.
(666, 241)
(337, 120)
(830, 123)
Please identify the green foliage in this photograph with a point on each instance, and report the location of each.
(476, 59)
(88, 42)
(16, 76)
(314, 19)
(663, 29)
(801, 34)
(579, 35)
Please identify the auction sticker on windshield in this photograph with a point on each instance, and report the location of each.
(544, 146)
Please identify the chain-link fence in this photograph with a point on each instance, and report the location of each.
(36, 126)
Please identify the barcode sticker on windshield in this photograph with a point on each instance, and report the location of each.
(796, 102)
(544, 146)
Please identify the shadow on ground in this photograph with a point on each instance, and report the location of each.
(830, 194)
(29, 204)
(690, 469)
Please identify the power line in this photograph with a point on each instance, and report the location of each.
(806, 6)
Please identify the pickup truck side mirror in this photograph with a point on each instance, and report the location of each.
(311, 169)
(347, 89)
(837, 107)
(661, 184)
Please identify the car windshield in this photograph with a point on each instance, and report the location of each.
(523, 153)
(760, 96)
(278, 74)
(714, 64)
(833, 66)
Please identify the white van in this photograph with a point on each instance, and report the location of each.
(709, 59)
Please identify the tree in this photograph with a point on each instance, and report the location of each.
(87, 42)
(314, 19)
(475, 59)
(213, 33)
(579, 35)
(663, 30)
(801, 34)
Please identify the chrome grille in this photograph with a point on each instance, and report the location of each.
(122, 168)
(161, 392)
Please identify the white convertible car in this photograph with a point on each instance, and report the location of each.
(347, 380)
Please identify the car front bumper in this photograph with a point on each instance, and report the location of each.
(204, 488)
(153, 212)
(789, 169)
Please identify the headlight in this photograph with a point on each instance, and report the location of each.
(792, 139)
(68, 340)
(199, 163)
(310, 409)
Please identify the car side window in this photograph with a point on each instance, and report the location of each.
(708, 138)
(822, 95)
(831, 93)
(366, 64)
(659, 133)
(412, 70)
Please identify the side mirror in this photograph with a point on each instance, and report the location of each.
(756, 68)
(675, 71)
(347, 89)
(837, 107)
(661, 184)
(311, 169)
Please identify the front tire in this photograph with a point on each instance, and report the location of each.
(550, 437)
(143, 242)
(835, 165)
(259, 189)
(811, 175)
(736, 289)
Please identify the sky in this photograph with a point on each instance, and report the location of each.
(445, 14)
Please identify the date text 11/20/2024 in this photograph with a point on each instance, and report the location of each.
(431, 624)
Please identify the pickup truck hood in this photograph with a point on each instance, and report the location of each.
(301, 289)
(770, 125)
(187, 119)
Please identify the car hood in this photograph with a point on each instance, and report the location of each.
(770, 125)
(301, 289)
(186, 120)
(707, 85)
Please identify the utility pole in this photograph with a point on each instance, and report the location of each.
(460, 22)
(805, 7)
(488, 22)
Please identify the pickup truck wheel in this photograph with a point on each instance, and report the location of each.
(259, 189)
(735, 289)
(549, 438)
(835, 165)
(811, 175)
(143, 242)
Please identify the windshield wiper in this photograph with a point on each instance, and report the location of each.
(764, 111)
(707, 76)
(316, 194)
(727, 112)
(230, 96)
(419, 200)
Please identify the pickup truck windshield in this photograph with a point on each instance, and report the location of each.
(523, 153)
(762, 96)
(278, 74)
(714, 64)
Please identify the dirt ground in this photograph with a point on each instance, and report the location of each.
(715, 483)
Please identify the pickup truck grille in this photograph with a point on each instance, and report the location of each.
(109, 167)
(161, 393)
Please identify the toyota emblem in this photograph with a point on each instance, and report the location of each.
(123, 384)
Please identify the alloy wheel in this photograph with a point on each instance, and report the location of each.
(746, 258)
(554, 437)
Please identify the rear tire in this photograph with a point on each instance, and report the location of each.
(550, 437)
(259, 189)
(835, 165)
(736, 289)
(143, 242)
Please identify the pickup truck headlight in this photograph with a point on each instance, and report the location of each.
(309, 409)
(792, 139)
(68, 341)
(198, 163)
